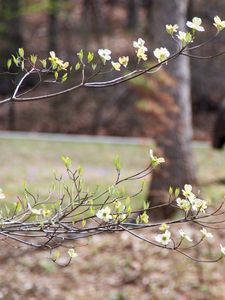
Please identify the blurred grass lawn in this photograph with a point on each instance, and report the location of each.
(35, 162)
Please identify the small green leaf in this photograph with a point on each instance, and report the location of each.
(117, 163)
(77, 67)
(90, 56)
(67, 161)
(43, 62)
(33, 59)
(64, 77)
(177, 192)
(15, 60)
(9, 63)
(80, 54)
(83, 223)
(21, 52)
(94, 66)
(56, 75)
(170, 190)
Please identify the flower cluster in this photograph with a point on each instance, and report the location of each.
(57, 64)
(141, 49)
(191, 202)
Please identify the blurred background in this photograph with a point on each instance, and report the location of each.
(163, 109)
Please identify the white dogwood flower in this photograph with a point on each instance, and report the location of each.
(171, 29)
(185, 37)
(116, 65)
(141, 54)
(161, 54)
(104, 214)
(183, 204)
(164, 238)
(195, 24)
(124, 60)
(206, 234)
(105, 54)
(187, 191)
(155, 161)
(219, 24)
(140, 44)
(184, 235)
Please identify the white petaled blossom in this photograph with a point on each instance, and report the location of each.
(72, 253)
(56, 62)
(164, 238)
(184, 235)
(155, 161)
(183, 204)
(171, 29)
(141, 54)
(141, 49)
(104, 214)
(185, 37)
(222, 249)
(219, 24)
(187, 191)
(195, 24)
(197, 204)
(206, 234)
(161, 54)
(116, 65)
(2, 195)
(140, 44)
(105, 54)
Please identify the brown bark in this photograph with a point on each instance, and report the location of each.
(174, 141)
(11, 35)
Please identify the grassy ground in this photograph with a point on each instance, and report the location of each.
(35, 162)
(111, 267)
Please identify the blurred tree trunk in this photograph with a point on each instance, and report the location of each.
(53, 26)
(11, 37)
(174, 140)
(92, 21)
(132, 14)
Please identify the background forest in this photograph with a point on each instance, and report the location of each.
(129, 110)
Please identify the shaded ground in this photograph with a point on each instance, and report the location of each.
(114, 267)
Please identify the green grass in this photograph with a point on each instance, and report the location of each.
(35, 161)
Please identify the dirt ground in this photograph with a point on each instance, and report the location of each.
(110, 267)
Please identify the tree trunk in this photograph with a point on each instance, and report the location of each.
(132, 14)
(174, 141)
(11, 36)
(53, 26)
